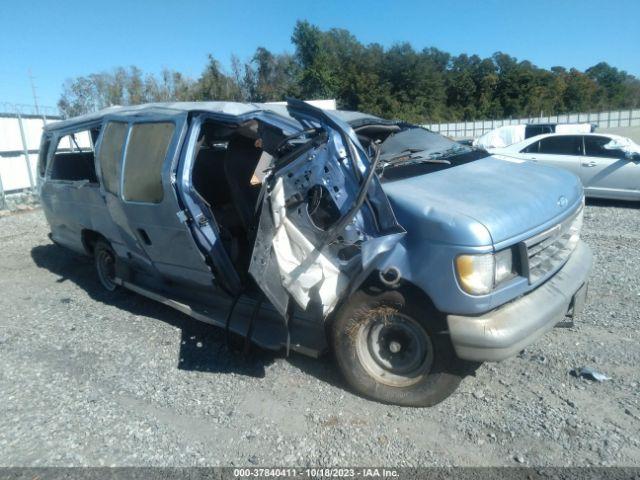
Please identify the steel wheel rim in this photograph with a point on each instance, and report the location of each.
(394, 349)
(105, 264)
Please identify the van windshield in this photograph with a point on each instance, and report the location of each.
(418, 146)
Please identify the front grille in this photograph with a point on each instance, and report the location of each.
(549, 250)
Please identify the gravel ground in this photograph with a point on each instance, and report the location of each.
(88, 378)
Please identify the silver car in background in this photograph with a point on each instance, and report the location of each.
(608, 165)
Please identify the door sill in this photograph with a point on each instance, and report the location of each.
(269, 331)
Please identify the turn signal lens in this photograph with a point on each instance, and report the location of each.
(504, 266)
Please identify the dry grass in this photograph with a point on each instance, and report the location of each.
(365, 315)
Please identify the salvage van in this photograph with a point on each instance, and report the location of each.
(409, 256)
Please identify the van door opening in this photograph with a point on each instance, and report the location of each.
(227, 175)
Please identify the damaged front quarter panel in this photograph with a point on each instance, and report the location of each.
(324, 221)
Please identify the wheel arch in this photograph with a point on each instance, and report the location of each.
(89, 238)
(409, 290)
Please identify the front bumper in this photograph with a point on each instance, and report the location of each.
(503, 332)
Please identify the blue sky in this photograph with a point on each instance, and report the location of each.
(63, 39)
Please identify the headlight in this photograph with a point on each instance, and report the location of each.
(480, 274)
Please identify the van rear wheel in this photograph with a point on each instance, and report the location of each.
(395, 350)
(105, 262)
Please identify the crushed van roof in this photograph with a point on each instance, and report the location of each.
(226, 108)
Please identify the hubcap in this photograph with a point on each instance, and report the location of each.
(394, 349)
(105, 265)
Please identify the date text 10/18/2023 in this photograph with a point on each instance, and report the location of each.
(316, 472)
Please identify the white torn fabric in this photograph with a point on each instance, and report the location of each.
(623, 143)
(501, 137)
(291, 249)
(573, 128)
(509, 134)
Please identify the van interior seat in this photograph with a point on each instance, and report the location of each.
(240, 163)
(221, 175)
(208, 176)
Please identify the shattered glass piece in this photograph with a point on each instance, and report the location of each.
(589, 374)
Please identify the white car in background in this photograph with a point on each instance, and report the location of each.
(608, 165)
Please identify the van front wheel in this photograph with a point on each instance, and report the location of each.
(393, 350)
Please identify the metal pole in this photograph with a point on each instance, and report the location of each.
(3, 200)
(33, 90)
(26, 151)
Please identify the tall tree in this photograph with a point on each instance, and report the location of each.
(214, 84)
(315, 79)
(421, 86)
(122, 87)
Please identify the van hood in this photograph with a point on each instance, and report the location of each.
(508, 198)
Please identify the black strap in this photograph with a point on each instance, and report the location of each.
(249, 333)
(228, 319)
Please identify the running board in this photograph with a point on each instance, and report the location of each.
(268, 328)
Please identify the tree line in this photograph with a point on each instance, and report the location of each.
(429, 85)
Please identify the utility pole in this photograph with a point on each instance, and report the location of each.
(33, 91)
(25, 149)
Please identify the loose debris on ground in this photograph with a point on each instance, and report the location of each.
(589, 373)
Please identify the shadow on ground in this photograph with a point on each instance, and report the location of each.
(602, 202)
(202, 347)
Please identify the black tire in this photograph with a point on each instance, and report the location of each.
(368, 335)
(105, 262)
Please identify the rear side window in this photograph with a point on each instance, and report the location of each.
(594, 147)
(110, 154)
(533, 148)
(73, 158)
(146, 151)
(562, 145)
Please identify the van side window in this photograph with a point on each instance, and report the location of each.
(73, 158)
(110, 154)
(146, 151)
(533, 130)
